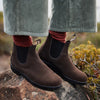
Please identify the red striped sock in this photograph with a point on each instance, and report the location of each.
(60, 36)
(23, 41)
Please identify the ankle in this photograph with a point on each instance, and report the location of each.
(22, 41)
(60, 36)
(56, 48)
(21, 53)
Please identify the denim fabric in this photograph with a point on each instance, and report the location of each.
(30, 17)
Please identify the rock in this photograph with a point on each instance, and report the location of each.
(13, 87)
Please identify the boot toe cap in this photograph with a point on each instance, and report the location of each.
(84, 77)
(56, 81)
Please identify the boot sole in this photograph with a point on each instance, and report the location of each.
(58, 71)
(48, 88)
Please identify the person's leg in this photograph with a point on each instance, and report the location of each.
(67, 16)
(73, 16)
(26, 62)
(22, 44)
(57, 58)
(22, 17)
(60, 36)
(58, 43)
(22, 20)
(22, 41)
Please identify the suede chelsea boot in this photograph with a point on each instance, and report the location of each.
(60, 62)
(34, 70)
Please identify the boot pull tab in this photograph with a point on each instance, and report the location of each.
(74, 36)
(36, 42)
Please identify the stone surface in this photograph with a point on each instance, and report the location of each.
(13, 87)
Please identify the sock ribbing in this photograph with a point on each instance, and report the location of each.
(23, 41)
(60, 36)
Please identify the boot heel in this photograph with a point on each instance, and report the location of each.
(15, 71)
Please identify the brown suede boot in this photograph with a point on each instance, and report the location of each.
(34, 70)
(62, 64)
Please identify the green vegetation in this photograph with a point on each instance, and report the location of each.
(87, 59)
(5, 40)
(1, 17)
(98, 27)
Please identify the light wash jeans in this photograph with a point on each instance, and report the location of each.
(30, 17)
